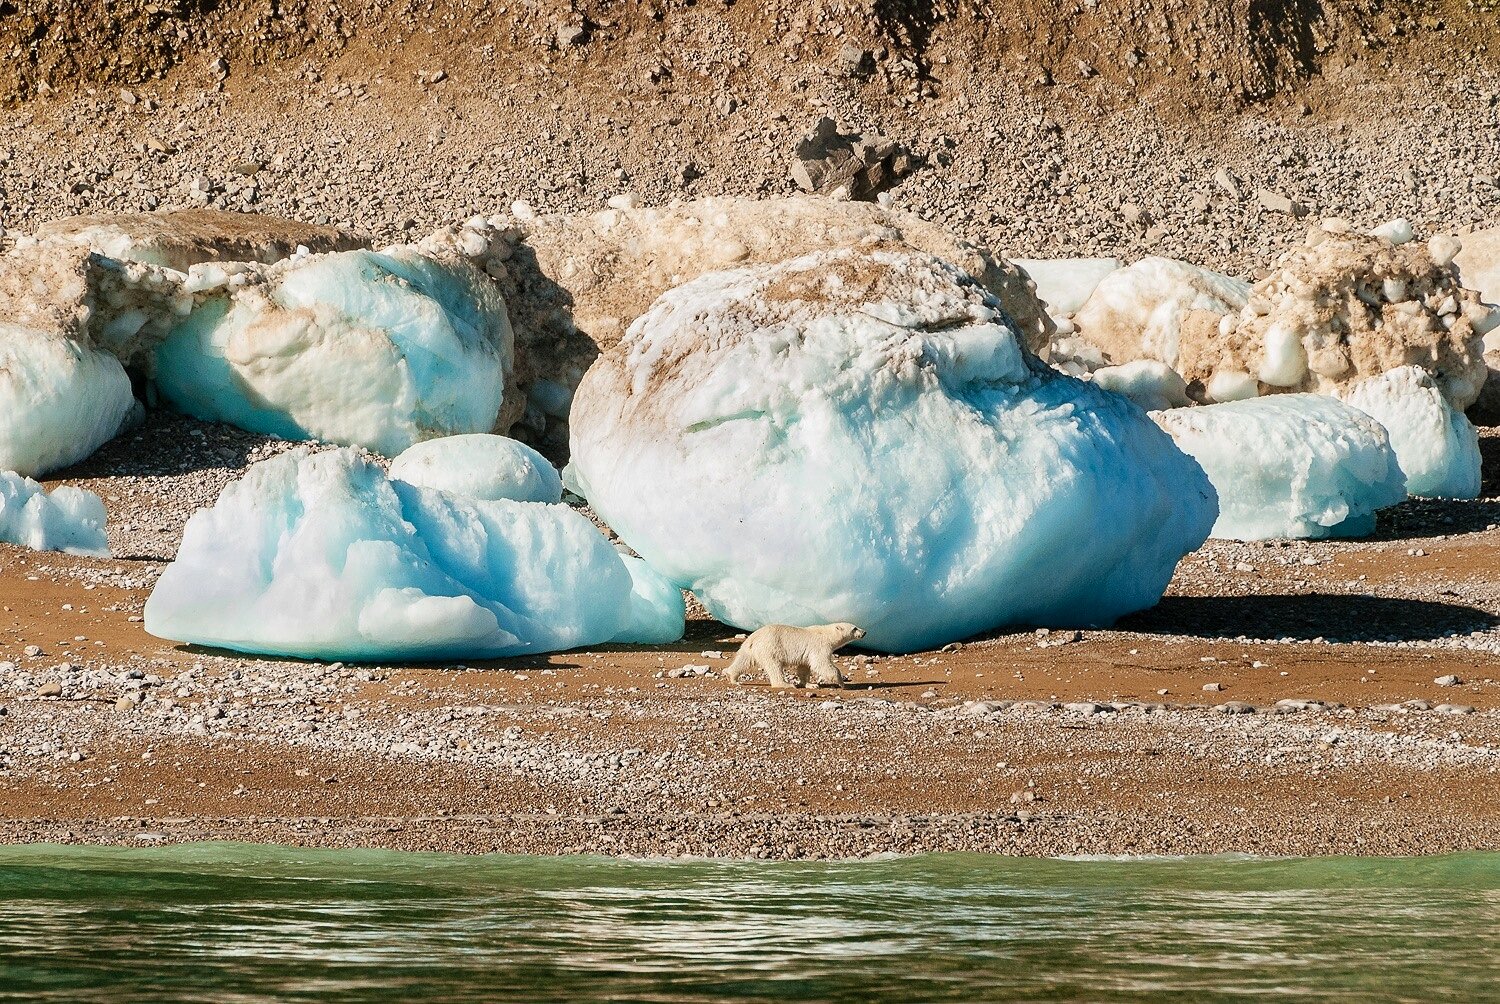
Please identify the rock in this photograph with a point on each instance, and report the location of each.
(1448, 681)
(32, 651)
(1086, 707)
(1235, 708)
(1278, 203)
(1454, 709)
(862, 166)
(573, 33)
(1225, 180)
(1213, 687)
(854, 61)
(51, 689)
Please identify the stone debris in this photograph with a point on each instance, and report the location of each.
(856, 165)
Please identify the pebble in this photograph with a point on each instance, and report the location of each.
(51, 689)
(1447, 681)
(1213, 687)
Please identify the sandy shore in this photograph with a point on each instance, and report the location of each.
(1282, 699)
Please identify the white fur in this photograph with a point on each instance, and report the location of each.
(779, 650)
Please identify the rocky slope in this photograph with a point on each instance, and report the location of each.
(1200, 130)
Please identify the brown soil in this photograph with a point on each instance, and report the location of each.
(910, 771)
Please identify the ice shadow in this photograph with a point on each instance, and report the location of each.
(167, 444)
(1332, 618)
(1418, 518)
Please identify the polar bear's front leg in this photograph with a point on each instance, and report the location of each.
(826, 673)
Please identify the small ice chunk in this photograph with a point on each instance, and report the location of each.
(1140, 312)
(1290, 465)
(1397, 231)
(321, 556)
(68, 519)
(1284, 359)
(1152, 385)
(480, 466)
(1232, 385)
(1064, 284)
(1438, 447)
(60, 400)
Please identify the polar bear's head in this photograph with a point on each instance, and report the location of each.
(848, 632)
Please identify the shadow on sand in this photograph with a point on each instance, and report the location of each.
(1305, 618)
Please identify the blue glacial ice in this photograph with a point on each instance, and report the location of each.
(1290, 465)
(480, 466)
(657, 610)
(322, 556)
(60, 399)
(1436, 444)
(66, 519)
(374, 349)
(862, 437)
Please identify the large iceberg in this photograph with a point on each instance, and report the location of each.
(863, 437)
(1290, 465)
(480, 466)
(321, 556)
(60, 399)
(68, 519)
(1437, 446)
(374, 349)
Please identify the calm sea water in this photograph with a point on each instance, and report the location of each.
(245, 923)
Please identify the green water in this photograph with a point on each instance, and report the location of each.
(245, 923)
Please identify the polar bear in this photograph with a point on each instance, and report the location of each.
(778, 649)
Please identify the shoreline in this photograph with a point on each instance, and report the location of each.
(1281, 699)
